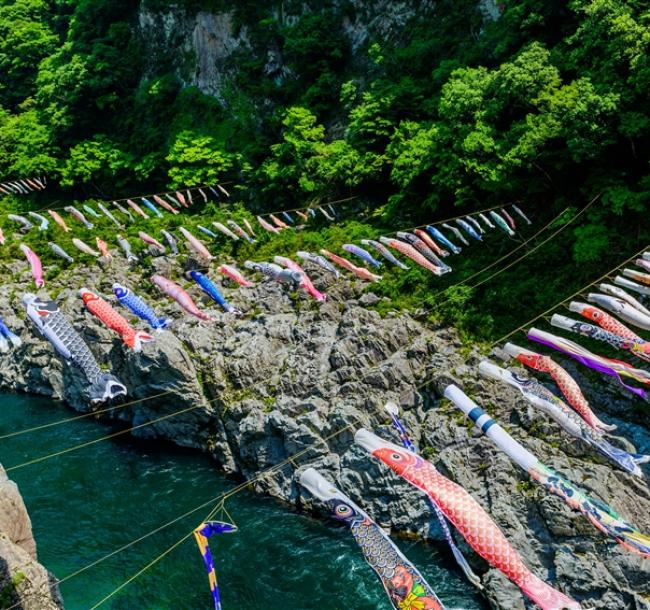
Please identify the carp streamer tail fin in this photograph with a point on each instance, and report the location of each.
(106, 388)
(546, 597)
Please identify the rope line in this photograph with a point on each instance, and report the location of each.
(84, 415)
(98, 440)
(575, 294)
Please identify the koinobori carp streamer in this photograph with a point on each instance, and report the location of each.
(405, 586)
(469, 518)
(544, 400)
(599, 514)
(567, 384)
(54, 326)
(112, 319)
(607, 366)
(393, 411)
(202, 534)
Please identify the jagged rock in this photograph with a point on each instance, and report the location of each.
(295, 377)
(23, 581)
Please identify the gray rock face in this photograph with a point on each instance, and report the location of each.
(23, 581)
(294, 379)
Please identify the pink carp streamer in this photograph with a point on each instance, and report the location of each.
(360, 272)
(469, 518)
(607, 366)
(412, 253)
(567, 384)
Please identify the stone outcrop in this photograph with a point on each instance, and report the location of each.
(295, 377)
(24, 583)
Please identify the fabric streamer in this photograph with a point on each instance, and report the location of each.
(437, 235)
(603, 319)
(624, 310)
(638, 347)
(137, 306)
(305, 283)
(544, 400)
(567, 384)
(54, 326)
(112, 319)
(210, 288)
(321, 261)
(405, 586)
(202, 534)
(385, 252)
(619, 293)
(176, 292)
(360, 272)
(625, 283)
(466, 514)
(393, 411)
(598, 513)
(607, 366)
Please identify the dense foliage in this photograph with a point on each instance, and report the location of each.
(548, 105)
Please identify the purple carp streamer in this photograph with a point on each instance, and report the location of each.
(405, 586)
(202, 535)
(607, 366)
(638, 347)
(544, 400)
(598, 513)
(469, 518)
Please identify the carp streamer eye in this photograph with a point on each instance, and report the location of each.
(396, 456)
(343, 511)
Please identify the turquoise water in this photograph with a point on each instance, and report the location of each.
(87, 503)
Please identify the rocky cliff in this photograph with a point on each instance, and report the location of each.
(24, 583)
(293, 376)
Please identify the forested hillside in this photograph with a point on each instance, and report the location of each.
(418, 107)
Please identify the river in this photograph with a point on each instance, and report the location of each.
(87, 503)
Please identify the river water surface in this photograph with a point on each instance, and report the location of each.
(88, 503)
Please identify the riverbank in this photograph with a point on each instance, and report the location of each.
(293, 376)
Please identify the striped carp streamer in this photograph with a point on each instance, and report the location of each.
(202, 534)
(412, 253)
(638, 347)
(393, 411)
(405, 586)
(274, 272)
(607, 366)
(509, 219)
(625, 283)
(599, 514)
(112, 319)
(544, 400)
(622, 308)
(619, 293)
(55, 327)
(567, 384)
(466, 514)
